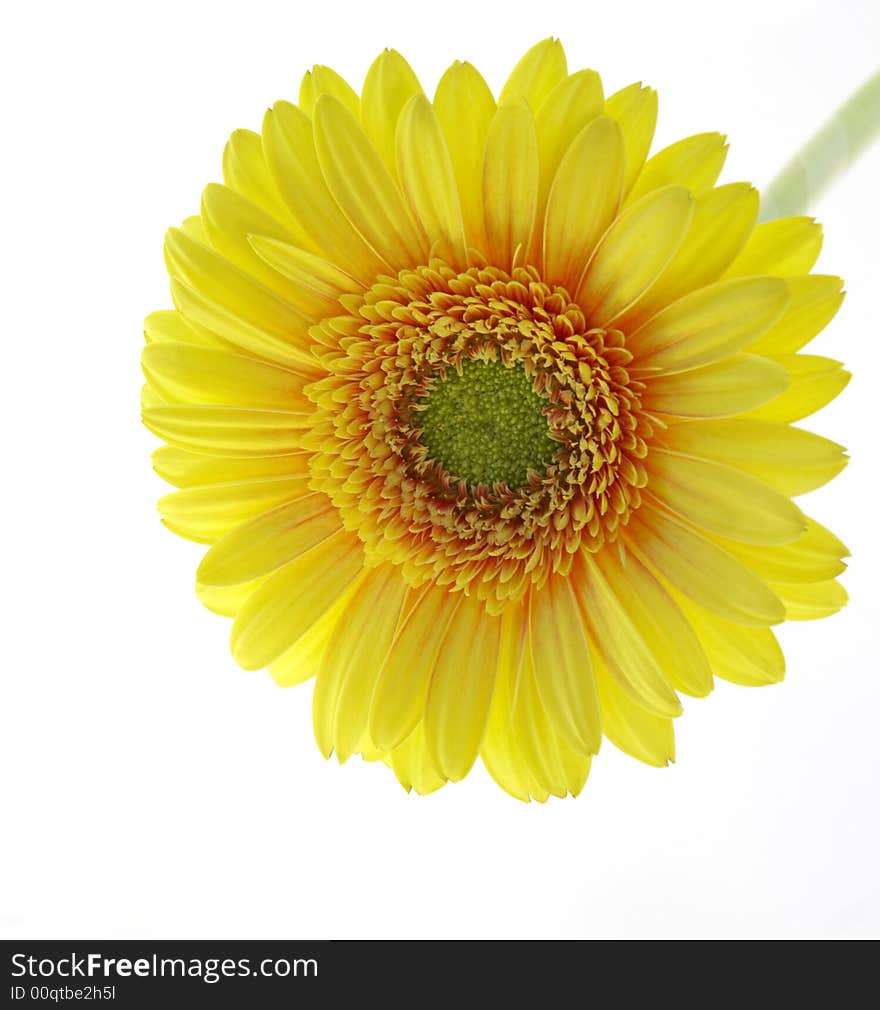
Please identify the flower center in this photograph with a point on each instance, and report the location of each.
(474, 430)
(485, 424)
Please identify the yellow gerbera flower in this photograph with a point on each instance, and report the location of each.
(487, 418)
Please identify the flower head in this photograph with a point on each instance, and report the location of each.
(487, 418)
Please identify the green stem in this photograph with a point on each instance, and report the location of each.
(826, 155)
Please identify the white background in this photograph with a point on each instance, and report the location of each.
(153, 789)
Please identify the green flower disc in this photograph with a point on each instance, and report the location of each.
(486, 425)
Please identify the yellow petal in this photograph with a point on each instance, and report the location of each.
(362, 187)
(510, 181)
(503, 760)
(169, 325)
(229, 431)
(428, 179)
(810, 601)
(293, 161)
(352, 661)
(709, 324)
(398, 701)
(570, 106)
(814, 302)
(230, 219)
(465, 108)
(245, 171)
(292, 600)
(550, 765)
(269, 541)
(302, 660)
(813, 557)
(628, 726)
(520, 750)
(236, 332)
(151, 397)
(415, 766)
(562, 667)
(370, 753)
(536, 74)
(213, 275)
(460, 693)
(634, 252)
(701, 570)
(635, 108)
(722, 222)
(192, 226)
(323, 280)
(225, 600)
(790, 460)
(573, 103)
(694, 163)
(814, 381)
(787, 246)
(727, 387)
(321, 80)
(205, 513)
(615, 636)
(193, 469)
(747, 656)
(723, 499)
(657, 619)
(390, 83)
(210, 376)
(213, 293)
(583, 201)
